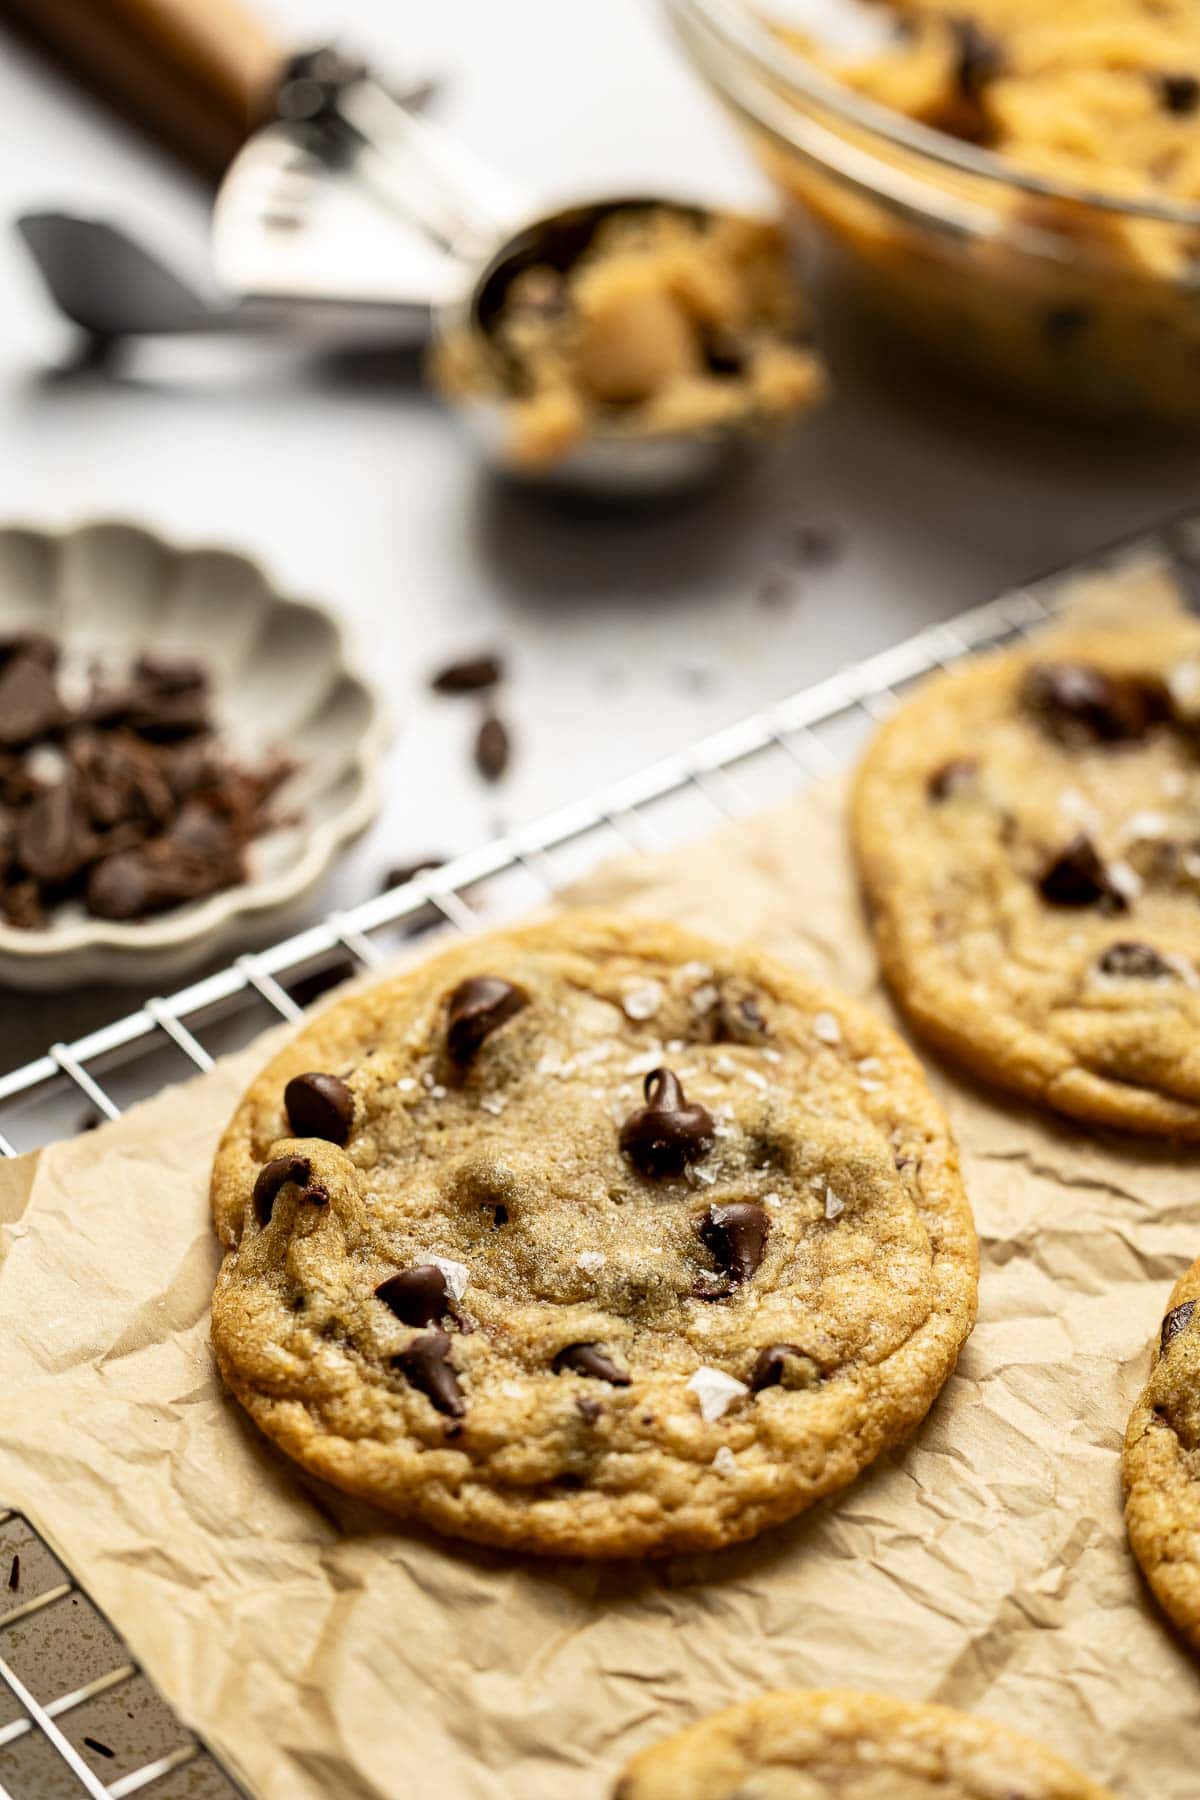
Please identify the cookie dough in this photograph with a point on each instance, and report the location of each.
(592, 1238)
(1161, 1465)
(1026, 829)
(849, 1746)
(668, 322)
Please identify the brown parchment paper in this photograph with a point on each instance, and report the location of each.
(325, 1651)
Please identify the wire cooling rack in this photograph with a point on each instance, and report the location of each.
(77, 1715)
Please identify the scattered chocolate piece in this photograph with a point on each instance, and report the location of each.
(426, 1366)
(275, 1175)
(402, 873)
(307, 988)
(319, 1106)
(978, 59)
(52, 840)
(737, 1237)
(1078, 877)
(954, 777)
(1135, 962)
(769, 1365)
(1075, 701)
(589, 1359)
(100, 1749)
(493, 748)
(664, 1136)
(30, 707)
(471, 675)
(588, 1409)
(417, 1296)
(1180, 94)
(14, 1573)
(1175, 1323)
(478, 1007)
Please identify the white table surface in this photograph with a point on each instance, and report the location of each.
(625, 638)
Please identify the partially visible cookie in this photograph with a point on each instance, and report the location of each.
(594, 1238)
(1028, 832)
(1161, 1464)
(849, 1746)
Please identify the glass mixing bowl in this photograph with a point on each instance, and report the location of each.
(1087, 297)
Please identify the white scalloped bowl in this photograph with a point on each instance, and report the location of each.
(281, 679)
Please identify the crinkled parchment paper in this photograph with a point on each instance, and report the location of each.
(326, 1651)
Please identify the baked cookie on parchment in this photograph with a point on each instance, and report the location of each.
(849, 1746)
(591, 1238)
(1028, 832)
(1161, 1464)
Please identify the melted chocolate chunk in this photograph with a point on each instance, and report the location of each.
(1179, 93)
(275, 1175)
(417, 1296)
(478, 1007)
(1135, 962)
(954, 777)
(978, 59)
(426, 1366)
(1077, 877)
(471, 675)
(589, 1359)
(737, 1237)
(664, 1136)
(769, 1365)
(1076, 701)
(1175, 1324)
(319, 1106)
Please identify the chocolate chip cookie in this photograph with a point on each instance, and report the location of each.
(848, 1746)
(592, 1238)
(1028, 834)
(1161, 1467)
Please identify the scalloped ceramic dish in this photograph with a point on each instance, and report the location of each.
(280, 678)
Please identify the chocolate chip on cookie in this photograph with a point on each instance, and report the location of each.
(771, 1364)
(737, 1237)
(958, 776)
(319, 1106)
(426, 1366)
(1175, 1324)
(1135, 962)
(1179, 93)
(1076, 701)
(477, 1008)
(275, 1175)
(669, 1132)
(417, 1296)
(1076, 876)
(589, 1359)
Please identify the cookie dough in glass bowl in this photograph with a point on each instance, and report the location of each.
(1015, 186)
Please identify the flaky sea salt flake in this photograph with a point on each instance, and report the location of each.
(457, 1275)
(715, 1392)
(826, 1028)
(590, 1261)
(725, 1462)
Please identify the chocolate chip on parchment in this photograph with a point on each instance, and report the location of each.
(99, 1748)
(14, 1573)
(426, 1366)
(769, 1365)
(470, 675)
(953, 778)
(417, 1296)
(737, 1237)
(1076, 876)
(493, 748)
(275, 1175)
(478, 1007)
(1075, 700)
(669, 1132)
(589, 1359)
(1179, 93)
(1175, 1323)
(319, 1106)
(1135, 962)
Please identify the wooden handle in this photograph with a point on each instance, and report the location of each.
(199, 73)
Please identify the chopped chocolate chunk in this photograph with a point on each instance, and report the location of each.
(417, 1296)
(737, 1237)
(275, 1175)
(52, 840)
(664, 1136)
(1175, 1324)
(14, 1573)
(1076, 701)
(978, 59)
(493, 748)
(100, 1749)
(426, 1366)
(472, 675)
(478, 1007)
(769, 1365)
(1180, 94)
(955, 777)
(1135, 962)
(589, 1359)
(1077, 877)
(30, 706)
(319, 1106)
